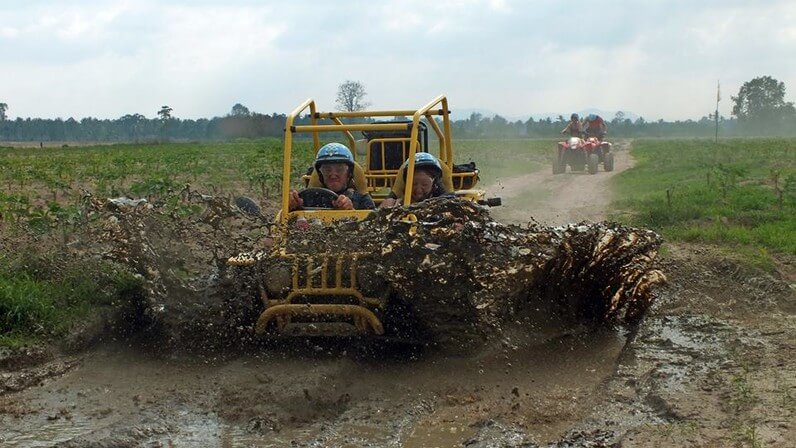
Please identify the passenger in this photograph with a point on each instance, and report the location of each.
(595, 127)
(335, 167)
(574, 127)
(426, 183)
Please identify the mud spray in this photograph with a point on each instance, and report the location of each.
(461, 276)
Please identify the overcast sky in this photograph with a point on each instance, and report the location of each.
(658, 59)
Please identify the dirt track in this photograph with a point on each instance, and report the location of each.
(559, 199)
(709, 366)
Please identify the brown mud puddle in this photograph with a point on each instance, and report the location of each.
(314, 396)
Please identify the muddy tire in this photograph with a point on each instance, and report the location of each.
(594, 162)
(451, 325)
(609, 161)
(401, 323)
(247, 205)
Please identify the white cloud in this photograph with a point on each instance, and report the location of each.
(8, 32)
(657, 59)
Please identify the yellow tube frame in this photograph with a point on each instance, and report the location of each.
(436, 107)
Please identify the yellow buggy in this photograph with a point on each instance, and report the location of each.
(325, 292)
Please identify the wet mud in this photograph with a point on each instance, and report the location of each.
(709, 365)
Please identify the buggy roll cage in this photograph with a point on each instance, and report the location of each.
(436, 107)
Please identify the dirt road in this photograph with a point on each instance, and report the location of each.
(559, 199)
(711, 365)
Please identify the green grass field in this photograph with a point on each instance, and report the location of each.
(42, 186)
(739, 192)
(53, 174)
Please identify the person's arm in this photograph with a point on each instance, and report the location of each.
(362, 201)
(367, 203)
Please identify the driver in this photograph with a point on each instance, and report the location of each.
(574, 126)
(426, 183)
(595, 126)
(335, 166)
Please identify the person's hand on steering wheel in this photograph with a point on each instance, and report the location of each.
(343, 202)
(294, 201)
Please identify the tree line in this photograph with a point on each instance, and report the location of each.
(758, 109)
(136, 127)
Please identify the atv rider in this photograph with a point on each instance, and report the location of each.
(574, 126)
(426, 183)
(594, 126)
(335, 166)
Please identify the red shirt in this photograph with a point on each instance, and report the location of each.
(596, 124)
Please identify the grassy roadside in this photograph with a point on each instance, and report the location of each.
(43, 297)
(738, 192)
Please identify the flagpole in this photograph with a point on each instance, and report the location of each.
(718, 98)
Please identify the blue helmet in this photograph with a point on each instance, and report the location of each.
(591, 117)
(334, 153)
(424, 159)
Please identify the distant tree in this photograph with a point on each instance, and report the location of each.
(133, 125)
(239, 110)
(561, 119)
(166, 122)
(3, 109)
(350, 96)
(618, 118)
(165, 113)
(761, 103)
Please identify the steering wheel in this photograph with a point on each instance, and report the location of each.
(316, 197)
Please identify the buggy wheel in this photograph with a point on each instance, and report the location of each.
(594, 161)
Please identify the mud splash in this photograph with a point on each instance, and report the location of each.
(457, 276)
(463, 275)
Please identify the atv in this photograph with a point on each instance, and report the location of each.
(320, 289)
(580, 154)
